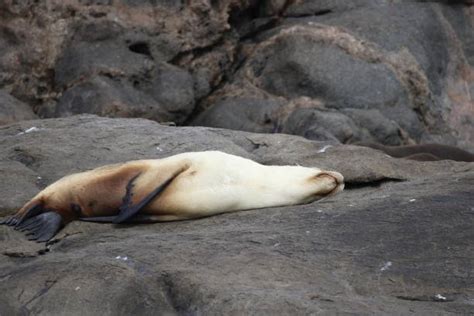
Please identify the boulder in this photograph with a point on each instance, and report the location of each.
(106, 97)
(397, 240)
(408, 62)
(13, 110)
(49, 48)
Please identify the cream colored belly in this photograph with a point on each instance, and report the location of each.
(228, 183)
(207, 193)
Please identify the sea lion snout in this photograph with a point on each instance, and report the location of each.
(330, 182)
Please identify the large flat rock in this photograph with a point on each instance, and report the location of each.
(398, 240)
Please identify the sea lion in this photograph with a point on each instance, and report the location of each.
(184, 186)
(423, 152)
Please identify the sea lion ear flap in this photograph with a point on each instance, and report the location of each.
(128, 210)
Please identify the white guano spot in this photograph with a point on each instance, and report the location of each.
(440, 297)
(29, 130)
(387, 265)
(323, 150)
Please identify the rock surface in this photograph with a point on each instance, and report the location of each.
(398, 240)
(409, 63)
(395, 72)
(13, 110)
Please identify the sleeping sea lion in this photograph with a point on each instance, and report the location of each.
(184, 186)
(423, 152)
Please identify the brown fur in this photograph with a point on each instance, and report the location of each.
(184, 186)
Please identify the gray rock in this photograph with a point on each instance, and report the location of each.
(106, 97)
(405, 61)
(83, 60)
(173, 88)
(409, 61)
(48, 48)
(397, 240)
(376, 125)
(244, 114)
(13, 110)
(317, 7)
(322, 125)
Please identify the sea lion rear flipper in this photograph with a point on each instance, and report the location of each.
(127, 210)
(42, 227)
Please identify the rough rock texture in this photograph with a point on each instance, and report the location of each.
(409, 63)
(398, 240)
(13, 110)
(395, 72)
(146, 50)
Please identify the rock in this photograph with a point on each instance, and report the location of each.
(244, 114)
(106, 97)
(397, 240)
(101, 54)
(410, 62)
(13, 110)
(377, 126)
(49, 48)
(322, 125)
(312, 7)
(173, 88)
(404, 61)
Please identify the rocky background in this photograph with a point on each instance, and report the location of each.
(398, 240)
(395, 72)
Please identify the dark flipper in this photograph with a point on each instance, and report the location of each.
(6, 220)
(137, 218)
(127, 210)
(42, 227)
(16, 220)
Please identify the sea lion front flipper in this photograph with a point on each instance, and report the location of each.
(137, 218)
(33, 208)
(42, 227)
(127, 210)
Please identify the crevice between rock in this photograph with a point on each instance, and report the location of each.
(354, 185)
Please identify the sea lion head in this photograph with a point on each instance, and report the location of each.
(305, 185)
(326, 183)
